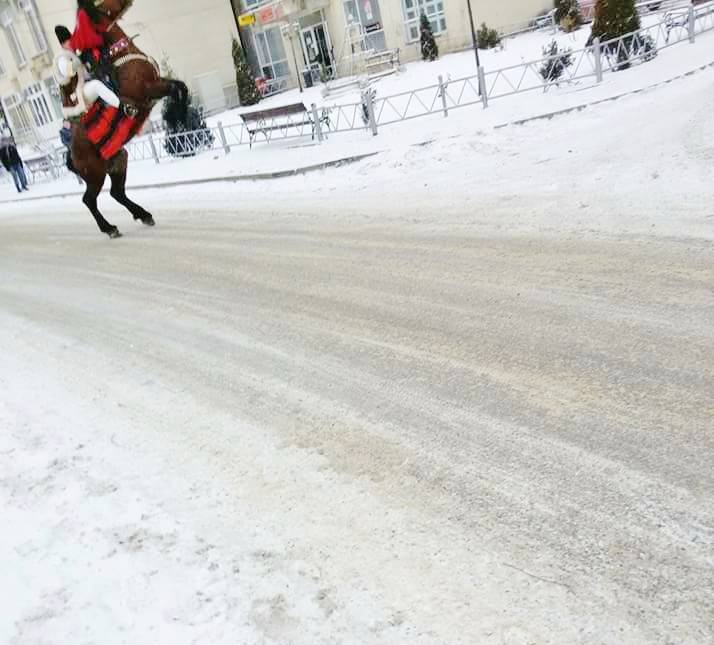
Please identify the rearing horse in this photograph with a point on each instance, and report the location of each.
(140, 86)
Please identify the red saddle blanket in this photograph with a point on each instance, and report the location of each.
(109, 129)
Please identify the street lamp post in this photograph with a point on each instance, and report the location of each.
(474, 42)
(291, 30)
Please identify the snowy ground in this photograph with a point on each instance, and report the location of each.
(459, 393)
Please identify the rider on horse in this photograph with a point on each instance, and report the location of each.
(88, 43)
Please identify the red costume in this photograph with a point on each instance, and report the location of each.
(87, 35)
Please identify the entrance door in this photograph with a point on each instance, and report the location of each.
(316, 49)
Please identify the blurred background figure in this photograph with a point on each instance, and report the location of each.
(11, 161)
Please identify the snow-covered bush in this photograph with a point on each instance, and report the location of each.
(557, 62)
(487, 38)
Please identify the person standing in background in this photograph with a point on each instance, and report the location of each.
(11, 161)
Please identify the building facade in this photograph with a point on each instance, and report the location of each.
(284, 40)
(192, 37)
(28, 93)
(287, 38)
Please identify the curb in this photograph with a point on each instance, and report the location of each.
(584, 106)
(278, 174)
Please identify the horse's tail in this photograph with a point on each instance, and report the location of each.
(179, 93)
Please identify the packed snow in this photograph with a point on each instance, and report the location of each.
(455, 393)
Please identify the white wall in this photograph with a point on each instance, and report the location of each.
(495, 13)
(194, 35)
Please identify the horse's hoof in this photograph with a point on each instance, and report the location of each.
(148, 221)
(114, 234)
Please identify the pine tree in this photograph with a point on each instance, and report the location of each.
(487, 38)
(185, 136)
(614, 18)
(556, 63)
(429, 48)
(248, 93)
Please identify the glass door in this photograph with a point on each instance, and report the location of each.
(315, 48)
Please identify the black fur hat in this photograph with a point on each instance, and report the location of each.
(63, 34)
(90, 8)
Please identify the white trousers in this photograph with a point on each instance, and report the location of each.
(94, 90)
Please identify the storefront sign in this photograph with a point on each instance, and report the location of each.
(270, 14)
(246, 20)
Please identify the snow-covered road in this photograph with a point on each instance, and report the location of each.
(374, 411)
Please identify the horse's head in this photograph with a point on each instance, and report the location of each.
(112, 9)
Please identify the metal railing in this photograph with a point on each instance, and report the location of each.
(590, 62)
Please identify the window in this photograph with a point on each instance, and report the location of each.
(53, 92)
(38, 35)
(434, 10)
(2, 68)
(351, 11)
(15, 111)
(12, 40)
(39, 106)
(271, 53)
(368, 15)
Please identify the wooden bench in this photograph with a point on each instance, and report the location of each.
(281, 118)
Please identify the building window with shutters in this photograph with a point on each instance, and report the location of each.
(12, 39)
(434, 10)
(33, 20)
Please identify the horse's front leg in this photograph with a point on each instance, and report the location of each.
(168, 87)
(117, 173)
(94, 187)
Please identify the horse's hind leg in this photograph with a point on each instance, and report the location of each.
(92, 168)
(94, 187)
(117, 173)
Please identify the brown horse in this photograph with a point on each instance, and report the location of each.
(140, 86)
